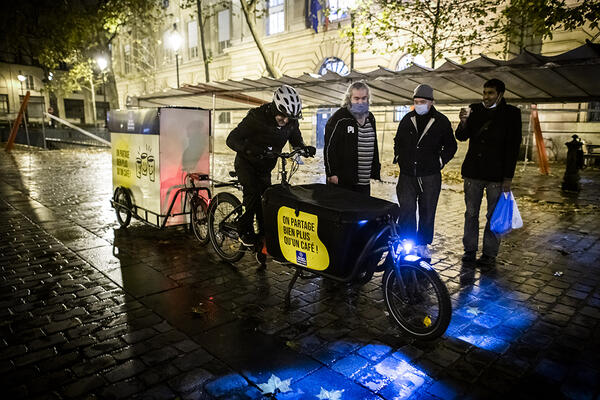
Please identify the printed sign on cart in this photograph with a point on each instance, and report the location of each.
(299, 241)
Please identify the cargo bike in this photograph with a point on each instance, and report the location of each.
(160, 160)
(323, 230)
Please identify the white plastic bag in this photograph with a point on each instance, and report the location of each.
(517, 221)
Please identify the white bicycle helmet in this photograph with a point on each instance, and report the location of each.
(287, 102)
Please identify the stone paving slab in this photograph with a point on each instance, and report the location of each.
(91, 311)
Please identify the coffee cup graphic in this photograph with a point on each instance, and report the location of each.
(138, 167)
(144, 157)
(151, 168)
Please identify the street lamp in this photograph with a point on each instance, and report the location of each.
(175, 41)
(22, 78)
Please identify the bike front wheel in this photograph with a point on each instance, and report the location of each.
(199, 214)
(223, 212)
(417, 300)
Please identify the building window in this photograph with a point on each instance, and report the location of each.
(275, 19)
(408, 60)
(334, 64)
(338, 9)
(168, 51)
(3, 103)
(74, 109)
(127, 58)
(400, 112)
(225, 117)
(224, 26)
(594, 111)
(192, 39)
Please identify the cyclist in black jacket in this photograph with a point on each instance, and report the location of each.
(264, 131)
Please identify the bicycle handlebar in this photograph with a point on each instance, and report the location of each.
(303, 151)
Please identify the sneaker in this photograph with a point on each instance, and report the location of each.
(247, 239)
(469, 256)
(423, 251)
(486, 261)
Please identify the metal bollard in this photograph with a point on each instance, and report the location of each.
(574, 164)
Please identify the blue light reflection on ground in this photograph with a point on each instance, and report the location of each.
(484, 315)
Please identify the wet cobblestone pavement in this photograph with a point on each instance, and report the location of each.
(92, 311)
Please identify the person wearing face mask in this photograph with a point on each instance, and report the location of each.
(424, 143)
(350, 153)
(493, 129)
(265, 130)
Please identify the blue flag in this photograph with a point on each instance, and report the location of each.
(315, 6)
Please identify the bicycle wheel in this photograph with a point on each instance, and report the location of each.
(123, 206)
(417, 300)
(199, 217)
(223, 211)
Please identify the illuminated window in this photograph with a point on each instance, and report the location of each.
(192, 39)
(276, 17)
(224, 21)
(407, 60)
(338, 9)
(334, 64)
(400, 112)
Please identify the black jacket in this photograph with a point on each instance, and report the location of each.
(257, 133)
(424, 151)
(341, 148)
(494, 141)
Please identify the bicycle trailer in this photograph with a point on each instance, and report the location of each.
(321, 228)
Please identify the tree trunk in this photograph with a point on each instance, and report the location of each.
(93, 100)
(248, 9)
(202, 44)
(434, 36)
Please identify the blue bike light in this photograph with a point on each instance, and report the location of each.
(408, 246)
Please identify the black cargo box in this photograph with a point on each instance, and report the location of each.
(321, 227)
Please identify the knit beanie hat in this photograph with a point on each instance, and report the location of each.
(423, 92)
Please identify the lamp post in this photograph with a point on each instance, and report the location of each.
(175, 40)
(22, 78)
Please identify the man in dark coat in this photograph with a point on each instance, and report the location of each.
(424, 143)
(264, 131)
(493, 129)
(351, 154)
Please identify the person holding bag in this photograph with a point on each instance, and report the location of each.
(493, 129)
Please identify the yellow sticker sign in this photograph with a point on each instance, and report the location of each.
(299, 241)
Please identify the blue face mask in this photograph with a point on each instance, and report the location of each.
(421, 109)
(359, 108)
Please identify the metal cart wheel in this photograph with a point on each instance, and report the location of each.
(123, 206)
(223, 212)
(417, 300)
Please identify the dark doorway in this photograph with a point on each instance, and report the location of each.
(74, 110)
(323, 115)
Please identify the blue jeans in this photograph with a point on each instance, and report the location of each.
(473, 196)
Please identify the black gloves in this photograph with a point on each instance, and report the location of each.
(309, 151)
(267, 154)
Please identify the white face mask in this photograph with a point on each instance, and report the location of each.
(421, 109)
